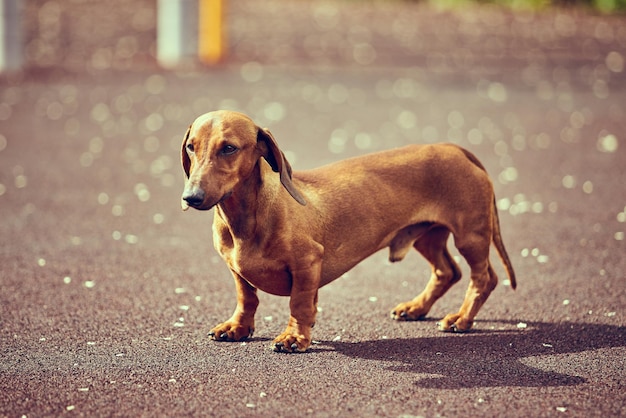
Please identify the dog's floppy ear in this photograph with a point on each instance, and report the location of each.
(276, 159)
(184, 157)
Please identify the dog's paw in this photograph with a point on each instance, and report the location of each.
(231, 331)
(408, 312)
(289, 342)
(455, 323)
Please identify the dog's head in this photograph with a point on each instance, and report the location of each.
(222, 148)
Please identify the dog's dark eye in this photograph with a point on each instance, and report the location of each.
(190, 147)
(229, 150)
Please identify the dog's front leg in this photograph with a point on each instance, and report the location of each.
(241, 324)
(303, 306)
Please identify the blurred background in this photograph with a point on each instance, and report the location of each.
(85, 35)
(544, 50)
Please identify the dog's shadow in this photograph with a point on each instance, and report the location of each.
(486, 358)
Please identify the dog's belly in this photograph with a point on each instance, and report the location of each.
(338, 262)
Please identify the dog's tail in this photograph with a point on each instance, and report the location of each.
(497, 242)
(496, 237)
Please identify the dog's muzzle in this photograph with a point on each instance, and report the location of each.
(195, 198)
(192, 197)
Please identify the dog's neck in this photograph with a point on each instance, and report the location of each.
(239, 211)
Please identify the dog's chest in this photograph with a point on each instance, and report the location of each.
(262, 270)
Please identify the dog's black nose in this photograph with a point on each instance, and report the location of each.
(194, 197)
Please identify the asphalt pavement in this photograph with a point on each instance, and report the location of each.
(108, 290)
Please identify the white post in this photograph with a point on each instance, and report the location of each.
(177, 28)
(10, 35)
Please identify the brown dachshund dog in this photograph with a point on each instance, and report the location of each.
(291, 233)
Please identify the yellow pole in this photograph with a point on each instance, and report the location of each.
(211, 39)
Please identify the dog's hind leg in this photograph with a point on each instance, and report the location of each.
(445, 272)
(483, 280)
